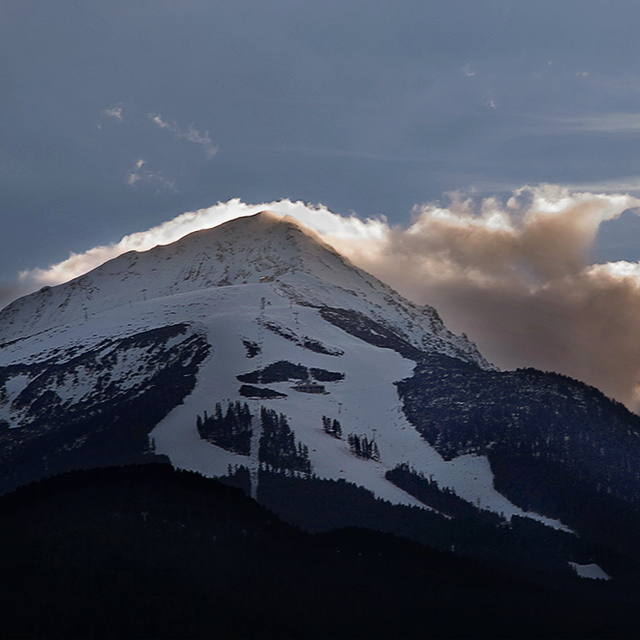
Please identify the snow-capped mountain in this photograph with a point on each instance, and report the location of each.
(290, 259)
(258, 286)
(254, 345)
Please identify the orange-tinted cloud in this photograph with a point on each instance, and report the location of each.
(516, 277)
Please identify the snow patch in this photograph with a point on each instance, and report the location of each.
(591, 571)
(15, 385)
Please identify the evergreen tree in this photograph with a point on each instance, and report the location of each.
(362, 447)
(278, 448)
(232, 431)
(332, 428)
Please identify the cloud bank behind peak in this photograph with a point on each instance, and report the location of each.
(515, 276)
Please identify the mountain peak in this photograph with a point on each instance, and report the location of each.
(261, 250)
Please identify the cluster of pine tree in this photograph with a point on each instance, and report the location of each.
(281, 371)
(430, 493)
(231, 430)
(362, 447)
(278, 448)
(332, 427)
(322, 375)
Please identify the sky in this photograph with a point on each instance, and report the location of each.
(479, 156)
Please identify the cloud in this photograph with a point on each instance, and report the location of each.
(318, 218)
(141, 174)
(192, 134)
(156, 119)
(616, 122)
(514, 275)
(628, 184)
(488, 100)
(468, 70)
(112, 112)
(517, 279)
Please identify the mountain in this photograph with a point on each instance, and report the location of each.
(217, 304)
(298, 267)
(256, 353)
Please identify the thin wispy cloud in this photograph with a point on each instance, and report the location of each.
(612, 85)
(468, 70)
(627, 123)
(336, 152)
(489, 100)
(141, 174)
(191, 134)
(114, 112)
(156, 119)
(610, 124)
(538, 75)
(626, 184)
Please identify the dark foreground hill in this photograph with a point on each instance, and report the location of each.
(150, 552)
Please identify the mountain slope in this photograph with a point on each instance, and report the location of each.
(257, 281)
(254, 347)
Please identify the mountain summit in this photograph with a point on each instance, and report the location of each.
(254, 351)
(258, 249)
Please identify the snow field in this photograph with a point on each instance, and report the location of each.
(591, 571)
(365, 403)
(181, 283)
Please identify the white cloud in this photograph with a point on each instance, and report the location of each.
(156, 119)
(192, 134)
(112, 112)
(319, 219)
(616, 122)
(141, 174)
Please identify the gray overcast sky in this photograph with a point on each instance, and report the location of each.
(117, 116)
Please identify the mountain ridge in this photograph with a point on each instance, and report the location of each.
(202, 560)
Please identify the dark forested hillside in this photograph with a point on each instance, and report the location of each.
(556, 445)
(150, 552)
(110, 424)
